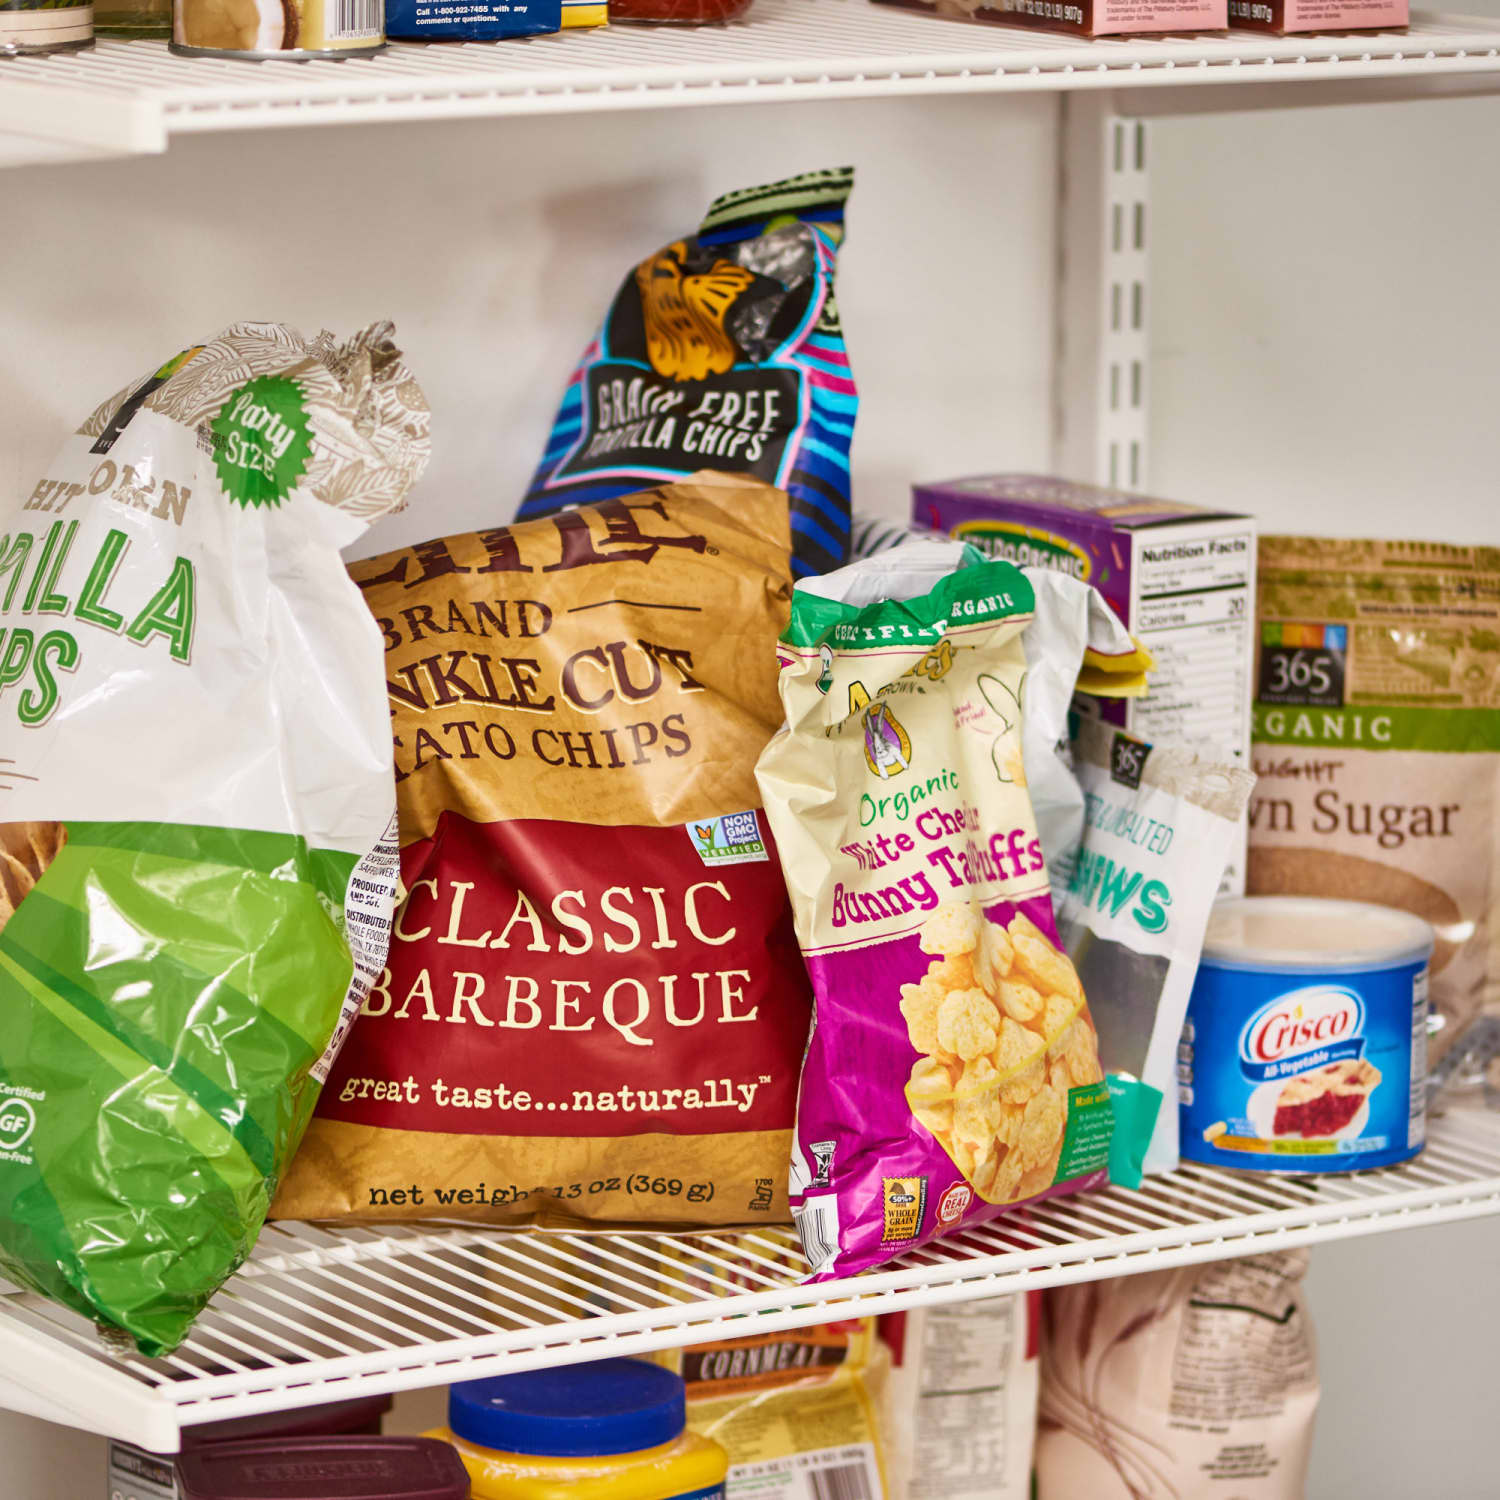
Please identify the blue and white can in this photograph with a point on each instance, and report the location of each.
(1305, 1046)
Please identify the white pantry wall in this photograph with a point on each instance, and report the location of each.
(1324, 317)
(1325, 353)
(496, 246)
(1325, 324)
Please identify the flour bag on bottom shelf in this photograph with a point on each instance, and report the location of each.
(199, 867)
(952, 1070)
(1194, 1384)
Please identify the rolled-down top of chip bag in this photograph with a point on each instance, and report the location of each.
(1160, 825)
(595, 1006)
(951, 1071)
(1075, 641)
(199, 880)
(723, 350)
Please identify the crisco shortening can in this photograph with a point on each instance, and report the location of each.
(1305, 1048)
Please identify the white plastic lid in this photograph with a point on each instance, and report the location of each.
(1308, 932)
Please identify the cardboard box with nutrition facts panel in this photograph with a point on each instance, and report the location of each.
(1181, 577)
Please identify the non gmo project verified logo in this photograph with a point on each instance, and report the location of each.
(733, 839)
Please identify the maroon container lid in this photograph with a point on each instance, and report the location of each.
(324, 1468)
(334, 1417)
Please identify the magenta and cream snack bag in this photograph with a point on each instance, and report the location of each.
(952, 1070)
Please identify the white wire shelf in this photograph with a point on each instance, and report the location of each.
(132, 97)
(325, 1314)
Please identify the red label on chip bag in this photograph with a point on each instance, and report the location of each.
(560, 979)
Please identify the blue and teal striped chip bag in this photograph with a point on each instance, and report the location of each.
(722, 351)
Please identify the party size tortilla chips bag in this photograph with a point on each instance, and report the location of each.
(722, 351)
(195, 757)
(952, 1070)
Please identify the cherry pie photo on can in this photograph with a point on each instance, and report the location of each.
(1305, 1046)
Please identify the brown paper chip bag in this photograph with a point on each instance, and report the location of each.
(595, 1007)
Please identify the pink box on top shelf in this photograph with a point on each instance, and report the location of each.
(1089, 18)
(1287, 17)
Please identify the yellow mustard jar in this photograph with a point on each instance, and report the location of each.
(615, 1429)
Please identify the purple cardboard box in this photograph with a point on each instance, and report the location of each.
(1180, 576)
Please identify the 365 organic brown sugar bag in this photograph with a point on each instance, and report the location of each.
(1377, 743)
(595, 1006)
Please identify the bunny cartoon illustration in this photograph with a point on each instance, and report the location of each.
(887, 747)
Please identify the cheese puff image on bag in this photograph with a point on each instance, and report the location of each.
(952, 1070)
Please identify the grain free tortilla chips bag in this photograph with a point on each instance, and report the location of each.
(724, 351)
(197, 878)
(595, 1006)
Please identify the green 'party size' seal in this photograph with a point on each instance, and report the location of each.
(262, 441)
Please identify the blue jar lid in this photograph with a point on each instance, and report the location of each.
(573, 1411)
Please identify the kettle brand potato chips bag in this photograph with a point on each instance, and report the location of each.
(723, 351)
(198, 884)
(595, 1005)
(952, 1070)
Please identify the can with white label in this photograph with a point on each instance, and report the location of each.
(263, 30)
(1305, 1046)
(31, 26)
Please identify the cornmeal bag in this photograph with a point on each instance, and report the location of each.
(723, 351)
(197, 753)
(952, 1071)
(799, 1413)
(595, 1007)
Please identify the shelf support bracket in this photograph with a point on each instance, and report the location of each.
(1101, 340)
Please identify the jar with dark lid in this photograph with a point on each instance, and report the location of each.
(330, 1468)
(678, 12)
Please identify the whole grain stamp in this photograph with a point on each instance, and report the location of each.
(595, 1007)
(1377, 744)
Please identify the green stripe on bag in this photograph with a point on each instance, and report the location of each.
(217, 1103)
(284, 855)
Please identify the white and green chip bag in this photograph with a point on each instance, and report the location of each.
(198, 864)
(1159, 825)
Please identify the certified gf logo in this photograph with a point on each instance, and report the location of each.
(17, 1121)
